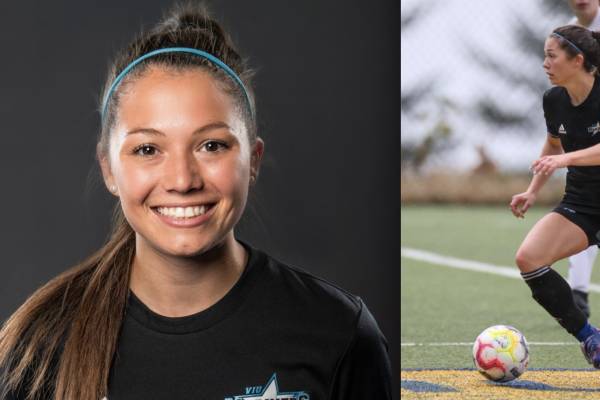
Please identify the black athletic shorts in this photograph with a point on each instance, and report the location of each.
(590, 223)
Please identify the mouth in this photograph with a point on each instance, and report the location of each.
(184, 212)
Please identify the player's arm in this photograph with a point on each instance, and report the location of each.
(584, 157)
(552, 148)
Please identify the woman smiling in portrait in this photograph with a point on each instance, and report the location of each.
(173, 306)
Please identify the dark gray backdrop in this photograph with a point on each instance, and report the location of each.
(328, 95)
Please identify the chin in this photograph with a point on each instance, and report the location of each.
(190, 249)
(187, 251)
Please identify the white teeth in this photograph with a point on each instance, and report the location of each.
(180, 212)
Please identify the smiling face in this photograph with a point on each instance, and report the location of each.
(180, 158)
(559, 68)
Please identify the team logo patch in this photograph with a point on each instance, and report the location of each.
(269, 392)
(594, 128)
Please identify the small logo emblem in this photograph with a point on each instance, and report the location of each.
(562, 129)
(594, 128)
(269, 392)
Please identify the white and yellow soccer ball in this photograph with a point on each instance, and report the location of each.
(501, 353)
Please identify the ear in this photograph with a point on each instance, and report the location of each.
(257, 152)
(578, 60)
(109, 179)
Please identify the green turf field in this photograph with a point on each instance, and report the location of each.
(444, 305)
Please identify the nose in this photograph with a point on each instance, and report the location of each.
(182, 173)
(545, 63)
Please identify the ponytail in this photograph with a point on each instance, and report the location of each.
(63, 338)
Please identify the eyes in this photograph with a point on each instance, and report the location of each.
(149, 150)
(212, 147)
(145, 150)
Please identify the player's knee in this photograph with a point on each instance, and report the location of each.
(526, 261)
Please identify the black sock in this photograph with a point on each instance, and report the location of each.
(553, 293)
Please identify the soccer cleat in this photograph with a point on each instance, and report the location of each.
(582, 302)
(590, 348)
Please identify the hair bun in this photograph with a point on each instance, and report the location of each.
(186, 16)
(191, 25)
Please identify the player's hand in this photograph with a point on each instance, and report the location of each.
(525, 200)
(548, 164)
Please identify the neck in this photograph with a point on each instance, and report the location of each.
(179, 286)
(584, 19)
(580, 90)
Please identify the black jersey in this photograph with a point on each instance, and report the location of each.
(578, 127)
(280, 333)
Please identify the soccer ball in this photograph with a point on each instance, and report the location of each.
(501, 353)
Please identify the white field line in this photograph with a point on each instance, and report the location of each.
(446, 261)
(472, 343)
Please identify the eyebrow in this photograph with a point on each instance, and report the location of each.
(205, 128)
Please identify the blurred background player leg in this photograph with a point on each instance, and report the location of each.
(580, 275)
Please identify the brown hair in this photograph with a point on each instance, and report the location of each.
(63, 338)
(582, 41)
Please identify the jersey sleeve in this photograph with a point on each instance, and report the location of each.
(364, 371)
(546, 104)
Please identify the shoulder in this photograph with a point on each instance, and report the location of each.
(331, 300)
(311, 316)
(295, 297)
(343, 321)
(595, 24)
(309, 289)
(554, 93)
(554, 96)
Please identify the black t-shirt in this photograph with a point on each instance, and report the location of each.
(280, 333)
(578, 127)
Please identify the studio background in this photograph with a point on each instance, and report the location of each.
(327, 81)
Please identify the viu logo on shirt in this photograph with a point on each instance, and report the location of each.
(594, 128)
(269, 392)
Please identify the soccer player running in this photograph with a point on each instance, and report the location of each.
(572, 112)
(581, 264)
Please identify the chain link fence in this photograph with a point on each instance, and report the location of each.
(471, 95)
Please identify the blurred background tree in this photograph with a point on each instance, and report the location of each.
(471, 89)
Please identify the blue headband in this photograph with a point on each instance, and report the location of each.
(175, 50)
(568, 41)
